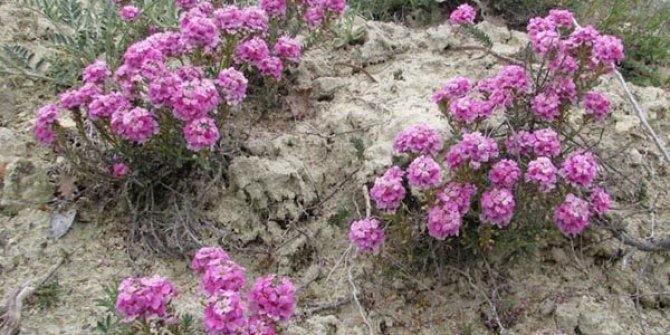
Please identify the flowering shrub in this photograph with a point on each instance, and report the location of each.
(173, 92)
(145, 303)
(162, 112)
(516, 156)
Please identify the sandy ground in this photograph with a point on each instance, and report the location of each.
(586, 286)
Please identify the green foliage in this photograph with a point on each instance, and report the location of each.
(348, 34)
(79, 33)
(387, 10)
(480, 36)
(47, 295)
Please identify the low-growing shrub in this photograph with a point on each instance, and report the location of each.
(162, 112)
(143, 305)
(520, 154)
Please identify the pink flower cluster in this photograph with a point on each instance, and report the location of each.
(419, 140)
(129, 13)
(388, 190)
(504, 174)
(145, 298)
(542, 172)
(231, 312)
(572, 216)
(367, 235)
(475, 149)
(136, 125)
(444, 220)
(424, 173)
(463, 15)
(497, 207)
(47, 118)
(579, 169)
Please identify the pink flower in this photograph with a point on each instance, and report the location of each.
(252, 51)
(424, 173)
(504, 174)
(474, 148)
(201, 133)
(337, 7)
(141, 52)
(194, 99)
(272, 299)
(119, 170)
(419, 140)
(162, 89)
(572, 216)
(186, 4)
(103, 106)
(223, 275)
(388, 191)
(543, 172)
(233, 85)
(565, 88)
(96, 73)
(547, 106)
(198, 30)
(468, 110)
(224, 314)
(563, 64)
(207, 255)
(255, 20)
(137, 124)
(596, 105)
(170, 44)
(271, 67)
(367, 235)
(313, 16)
(261, 326)
(455, 88)
(546, 142)
(582, 37)
(444, 220)
(538, 24)
(463, 15)
(273, 7)
(129, 13)
(458, 195)
(145, 298)
(513, 77)
(229, 19)
(579, 169)
(47, 117)
(561, 18)
(497, 207)
(608, 51)
(188, 73)
(600, 201)
(288, 48)
(522, 143)
(545, 41)
(79, 97)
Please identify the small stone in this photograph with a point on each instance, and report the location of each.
(635, 157)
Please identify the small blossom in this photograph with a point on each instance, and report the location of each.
(273, 7)
(79, 97)
(96, 73)
(229, 19)
(572, 216)
(543, 172)
(337, 7)
(513, 77)
(547, 106)
(504, 174)
(582, 37)
(367, 235)
(463, 15)
(223, 275)
(137, 124)
(207, 255)
(597, 106)
(252, 51)
(497, 207)
(271, 67)
(233, 85)
(186, 4)
(419, 140)
(424, 173)
(161, 90)
(255, 20)
(474, 148)
(170, 44)
(103, 106)
(388, 190)
(546, 142)
(579, 169)
(201, 133)
(561, 18)
(608, 51)
(224, 314)
(469, 110)
(455, 88)
(194, 99)
(47, 117)
(272, 299)
(457, 194)
(129, 13)
(314, 16)
(198, 30)
(565, 88)
(444, 220)
(145, 298)
(521, 143)
(600, 201)
(119, 170)
(288, 48)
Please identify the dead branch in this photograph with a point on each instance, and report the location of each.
(358, 69)
(325, 306)
(487, 51)
(648, 245)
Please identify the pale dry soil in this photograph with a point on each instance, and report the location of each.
(585, 286)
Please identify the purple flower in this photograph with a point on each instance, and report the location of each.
(579, 169)
(458, 195)
(444, 220)
(600, 201)
(597, 106)
(201, 133)
(497, 207)
(388, 191)
(463, 15)
(272, 299)
(137, 124)
(546, 142)
(129, 13)
(543, 172)
(367, 235)
(572, 216)
(455, 88)
(419, 140)
(47, 117)
(504, 174)
(424, 173)
(233, 85)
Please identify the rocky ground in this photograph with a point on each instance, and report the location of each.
(361, 96)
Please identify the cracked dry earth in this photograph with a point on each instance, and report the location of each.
(593, 285)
